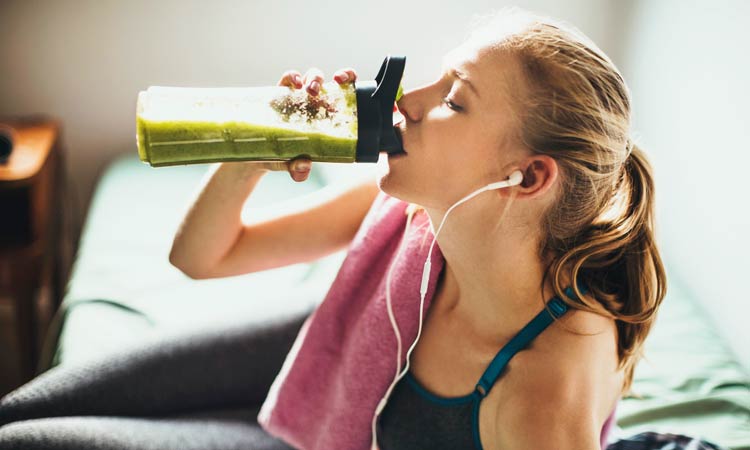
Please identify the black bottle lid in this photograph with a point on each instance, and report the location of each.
(375, 100)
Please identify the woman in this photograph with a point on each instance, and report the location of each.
(527, 94)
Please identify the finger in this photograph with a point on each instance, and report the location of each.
(345, 75)
(291, 78)
(312, 80)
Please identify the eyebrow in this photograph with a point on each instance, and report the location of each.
(463, 77)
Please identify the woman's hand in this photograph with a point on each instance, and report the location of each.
(299, 168)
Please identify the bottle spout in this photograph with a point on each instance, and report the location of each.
(397, 146)
(375, 107)
(397, 118)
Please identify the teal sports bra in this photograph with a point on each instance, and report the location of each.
(416, 419)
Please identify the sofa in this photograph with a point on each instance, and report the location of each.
(123, 291)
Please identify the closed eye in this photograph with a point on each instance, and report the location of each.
(452, 105)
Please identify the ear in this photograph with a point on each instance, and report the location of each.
(539, 175)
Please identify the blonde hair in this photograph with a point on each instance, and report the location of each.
(601, 226)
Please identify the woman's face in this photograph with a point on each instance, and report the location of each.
(458, 131)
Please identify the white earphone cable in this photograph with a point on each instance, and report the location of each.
(514, 179)
(392, 318)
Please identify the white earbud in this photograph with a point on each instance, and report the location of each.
(514, 179)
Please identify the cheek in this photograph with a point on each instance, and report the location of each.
(451, 148)
(459, 148)
(443, 135)
(446, 173)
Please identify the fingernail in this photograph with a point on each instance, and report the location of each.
(297, 80)
(343, 77)
(315, 86)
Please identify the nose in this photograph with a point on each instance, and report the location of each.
(407, 106)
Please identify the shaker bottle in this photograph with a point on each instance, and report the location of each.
(351, 122)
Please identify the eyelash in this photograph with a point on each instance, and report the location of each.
(451, 105)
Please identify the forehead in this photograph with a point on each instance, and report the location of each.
(495, 73)
(487, 67)
(497, 76)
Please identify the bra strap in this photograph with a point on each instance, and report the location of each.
(532, 329)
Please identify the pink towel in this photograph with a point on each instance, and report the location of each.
(344, 358)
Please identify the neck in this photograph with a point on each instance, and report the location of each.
(491, 282)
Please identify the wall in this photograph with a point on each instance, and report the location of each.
(687, 65)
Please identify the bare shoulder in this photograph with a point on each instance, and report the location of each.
(583, 330)
(580, 345)
(579, 350)
(566, 374)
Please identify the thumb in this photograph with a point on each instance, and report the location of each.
(300, 164)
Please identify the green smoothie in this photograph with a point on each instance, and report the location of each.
(203, 125)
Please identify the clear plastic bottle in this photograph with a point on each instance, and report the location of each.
(344, 123)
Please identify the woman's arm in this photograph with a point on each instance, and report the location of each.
(213, 241)
(212, 223)
(317, 225)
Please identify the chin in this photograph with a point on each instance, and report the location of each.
(387, 185)
(390, 186)
(384, 183)
(399, 183)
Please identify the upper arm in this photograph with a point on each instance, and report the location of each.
(551, 423)
(314, 226)
(551, 410)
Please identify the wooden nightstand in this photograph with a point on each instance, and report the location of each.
(31, 267)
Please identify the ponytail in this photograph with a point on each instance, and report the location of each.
(619, 263)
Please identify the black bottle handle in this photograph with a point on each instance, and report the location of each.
(388, 80)
(375, 100)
